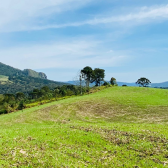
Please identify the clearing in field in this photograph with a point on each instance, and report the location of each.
(3, 79)
(116, 127)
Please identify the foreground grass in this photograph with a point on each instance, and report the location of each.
(116, 127)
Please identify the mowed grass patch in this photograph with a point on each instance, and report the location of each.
(116, 127)
(83, 145)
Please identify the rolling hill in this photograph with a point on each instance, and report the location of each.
(13, 80)
(7, 70)
(116, 127)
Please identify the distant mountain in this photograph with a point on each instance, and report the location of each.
(13, 80)
(158, 85)
(119, 83)
(125, 83)
(7, 70)
(73, 82)
(29, 72)
(78, 83)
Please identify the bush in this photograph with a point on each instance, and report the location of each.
(105, 83)
(22, 105)
(3, 111)
(7, 107)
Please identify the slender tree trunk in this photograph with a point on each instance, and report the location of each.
(80, 84)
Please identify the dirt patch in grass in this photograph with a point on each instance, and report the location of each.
(98, 109)
(119, 112)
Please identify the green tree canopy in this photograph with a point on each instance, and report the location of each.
(86, 74)
(20, 96)
(144, 82)
(113, 81)
(9, 97)
(98, 76)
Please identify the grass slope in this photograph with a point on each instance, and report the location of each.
(116, 127)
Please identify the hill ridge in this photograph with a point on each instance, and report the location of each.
(14, 80)
(116, 127)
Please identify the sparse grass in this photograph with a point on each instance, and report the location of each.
(116, 127)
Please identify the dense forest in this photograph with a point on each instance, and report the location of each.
(26, 84)
(9, 71)
(12, 102)
(13, 80)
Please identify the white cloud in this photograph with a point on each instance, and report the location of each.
(18, 15)
(74, 54)
(145, 14)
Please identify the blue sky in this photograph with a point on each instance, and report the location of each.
(127, 38)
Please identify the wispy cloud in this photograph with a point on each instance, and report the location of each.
(145, 14)
(18, 15)
(76, 54)
(110, 44)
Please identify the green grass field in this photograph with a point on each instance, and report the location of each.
(116, 127)
(3, 78)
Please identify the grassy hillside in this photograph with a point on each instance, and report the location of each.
(116, 127)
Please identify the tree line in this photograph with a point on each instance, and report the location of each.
(12, 102)
(18, 101)
(96, 76)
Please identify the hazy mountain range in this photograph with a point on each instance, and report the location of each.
(159, 85)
